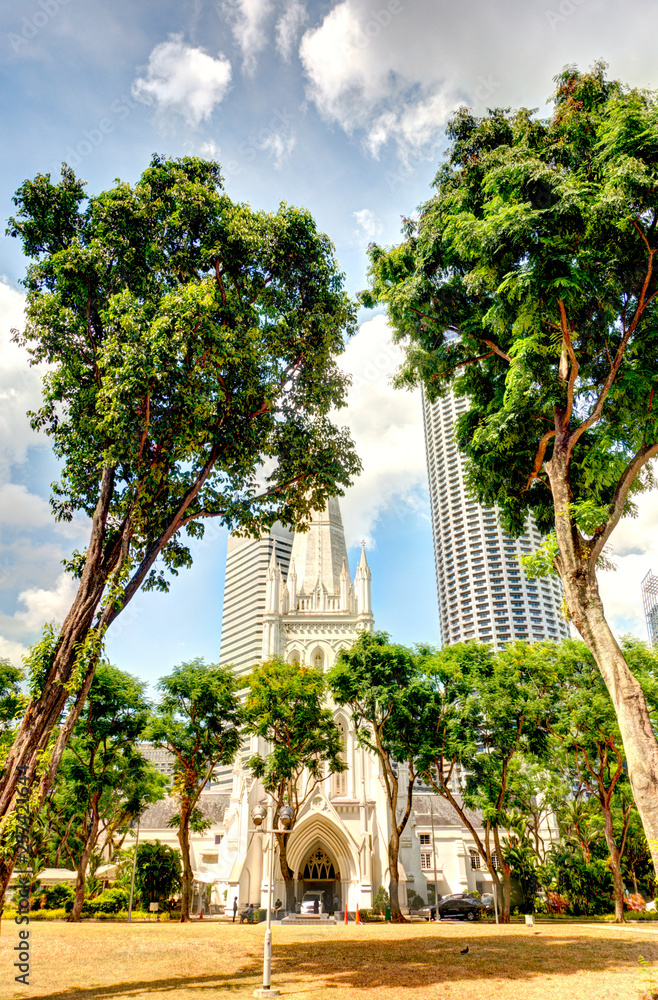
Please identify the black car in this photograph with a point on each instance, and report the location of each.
(461, 905)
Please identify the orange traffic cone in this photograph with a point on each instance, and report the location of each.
(347, 916)
(358, 915)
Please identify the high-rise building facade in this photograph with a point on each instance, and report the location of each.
(245, 591)
(483, 591)
(650, 602)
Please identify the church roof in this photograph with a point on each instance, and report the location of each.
(444, 814)
(212, 805)
(318, 553)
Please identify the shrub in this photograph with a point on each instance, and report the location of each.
(381, 900)
(634, 902)
(555, 903)
(57, 896)
(110, 901)
(414, 900)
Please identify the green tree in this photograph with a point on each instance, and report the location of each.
(104, 776)
(12, 705)
(197, 720)
(391, 711)
(527, 283)
(489, 709)
(157, 872)
(285, 706)
(191, 346)
(591, 753)
(12, 702)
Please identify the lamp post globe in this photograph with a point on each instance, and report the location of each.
(258, 815)
(286, 815)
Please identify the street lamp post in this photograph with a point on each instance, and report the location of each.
(258, 815)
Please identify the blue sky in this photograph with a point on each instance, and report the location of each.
(339, 107)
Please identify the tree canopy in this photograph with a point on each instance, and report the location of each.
(527, 284)
(392, 711)
(197, 720)
(191, 345)
(285, 707)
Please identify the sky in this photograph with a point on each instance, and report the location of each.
(341, 108)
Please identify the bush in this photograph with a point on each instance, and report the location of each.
(110, 901)
(414, 900)
(555, 903)
(381, 900)
(57, 896)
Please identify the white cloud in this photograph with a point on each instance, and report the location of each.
(634, 549)
(12, 651)
(395, 71)
(209, 150)
(289, 26)
(183, 80)
(20, 385)
(38, 607)
(386, 425)
(43, 606)
(249, 21)
(279, 145)
(368, 225)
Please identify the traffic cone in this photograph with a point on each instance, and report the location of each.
(358, 915)
(347, 916)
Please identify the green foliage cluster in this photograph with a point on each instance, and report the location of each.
(381, 900)
(534, 253)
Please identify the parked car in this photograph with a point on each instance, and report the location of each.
(309, 900)
(461, 905)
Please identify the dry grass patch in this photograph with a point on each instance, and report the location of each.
(372, 962)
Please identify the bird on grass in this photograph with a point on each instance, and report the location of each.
(464, 951)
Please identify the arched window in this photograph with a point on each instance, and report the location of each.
(293, 656)
(339, 780)
(319, 867)
(317, 658)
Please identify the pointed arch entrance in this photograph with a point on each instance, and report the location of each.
(320, 873)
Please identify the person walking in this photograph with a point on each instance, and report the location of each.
(235, 908)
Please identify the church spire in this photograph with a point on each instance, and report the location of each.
(318, 553)
(362, 589)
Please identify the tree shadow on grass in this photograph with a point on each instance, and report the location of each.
(420, 962)
(196, 985)
(415, 961)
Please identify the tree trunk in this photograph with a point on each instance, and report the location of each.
(586, 610)
(397, 917)
(615, 865)
(187, 876)
(507, 880)
(287, 872)
(75, 914)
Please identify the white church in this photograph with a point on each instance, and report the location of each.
(294, 597)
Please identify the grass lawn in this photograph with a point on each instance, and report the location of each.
(95, 961)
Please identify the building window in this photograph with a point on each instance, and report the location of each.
(425, 861)
(476, 861)
(424, 839)
(218, 838)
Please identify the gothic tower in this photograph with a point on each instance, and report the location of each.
(318, 611)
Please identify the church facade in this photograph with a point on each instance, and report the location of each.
(308, 612)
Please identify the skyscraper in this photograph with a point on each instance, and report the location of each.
(245, 587)
(650, 601)
(482, 589)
